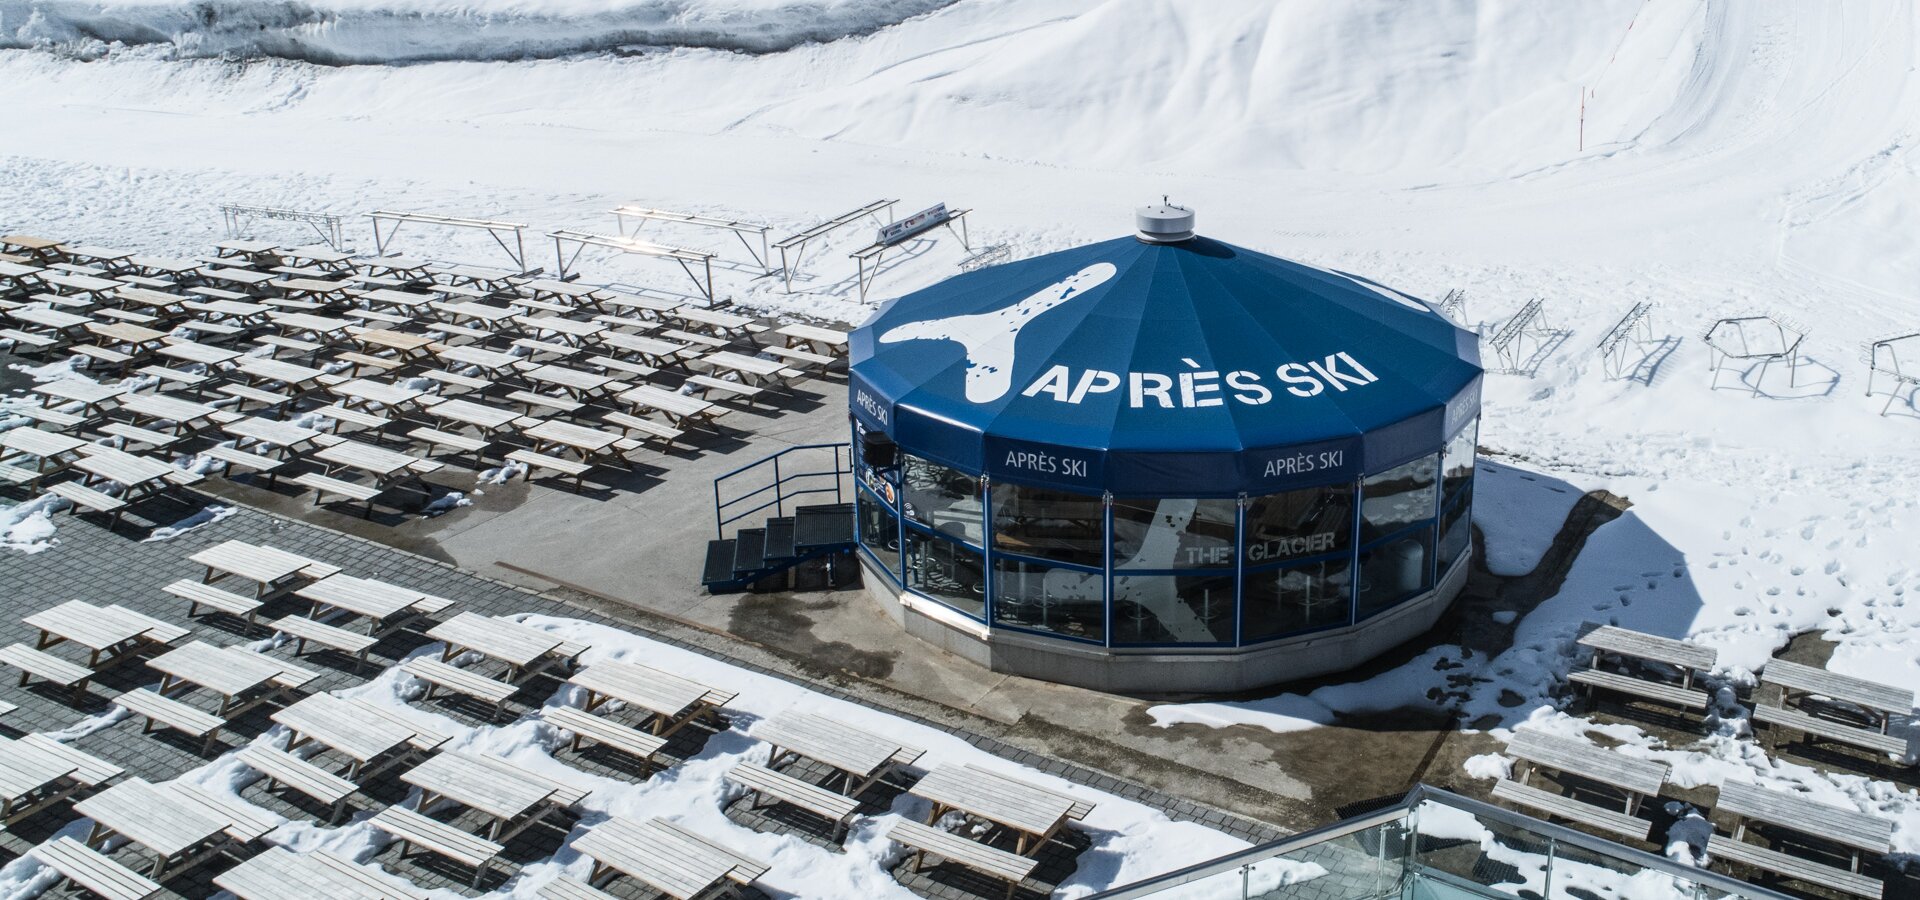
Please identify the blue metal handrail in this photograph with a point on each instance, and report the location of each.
(842, 465)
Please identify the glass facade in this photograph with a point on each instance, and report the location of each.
(1170, 572)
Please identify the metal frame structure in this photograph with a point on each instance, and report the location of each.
(877, 251)
(763, 257)
(703, 282)
(798, 242)
(1722, 336)
(988, 256)
(1883, 358)
(1634, 324)
(1514, 335)
(493, 228)
(1454, 305)
(327, 225)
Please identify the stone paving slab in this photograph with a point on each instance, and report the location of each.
(88, 562)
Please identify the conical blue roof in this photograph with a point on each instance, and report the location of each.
(1192, 369)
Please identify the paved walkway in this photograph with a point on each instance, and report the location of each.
(90, 563)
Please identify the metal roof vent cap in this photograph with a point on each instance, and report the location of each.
(1164, 223)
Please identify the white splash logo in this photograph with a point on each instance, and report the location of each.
(989, 337)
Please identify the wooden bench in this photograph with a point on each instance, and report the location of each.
(764, 782)
(438, 674)
(351, 643)
(531, 399)
(230, 457)
(631, 423)
(46, 667)
(567, 467)
(588, 727)
(1568, 808)
(323, 485)
(88, 868)
(1661, 692)
(569, 889)
(101, 354)
(412, 829)
(28, 478)
(53, 417)
(283, 768)
(923, 839)
(435, 438)
(177, 376)
(132, 435)
(36, 341)
(1727, 849)
(80, 495)
(166, 711)
(709, 384)
(198, 594)
(1779, 718)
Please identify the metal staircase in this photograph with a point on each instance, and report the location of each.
(766, 557)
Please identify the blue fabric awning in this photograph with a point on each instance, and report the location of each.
(1195, 369)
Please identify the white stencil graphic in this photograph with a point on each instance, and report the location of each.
(989, 337)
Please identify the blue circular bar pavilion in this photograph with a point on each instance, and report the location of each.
(1162, 463)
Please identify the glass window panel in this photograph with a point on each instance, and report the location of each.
(1173, 534)
(945, 500)
(1173, 609)
(1283, 601)
(1456, 529)
(1456, 462)
(1394, 571)
(948, 572)
(1049, 524)
(1299, 524)
(1398, 497)
(879, 531)
(1041, 597)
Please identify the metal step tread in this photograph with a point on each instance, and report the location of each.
(780, 538)
(749, 551)
(719, 565)
(823, 525)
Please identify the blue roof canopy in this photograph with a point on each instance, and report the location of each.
(1194, 369)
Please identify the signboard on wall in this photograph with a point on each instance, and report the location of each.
(905, 228)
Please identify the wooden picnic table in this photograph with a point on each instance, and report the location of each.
(397, 299)
(664, 856)
(678, 408)
(1638, 779)
(394, 266)
(589, 443)
(752, 369)
(573, 333)
(578, 384)
(814, 338)
(322, 328)
(1035, 814)
(226, 308)
(368, 393)
(383, 464)
(137, 475)
(315, 288)
(91, 395)
(488, 419)
(1851, 828)
(238, 676)
(245, 278)
(137, 339)
(478, 276)
(723, 323)
(108, 632)
(545, 288)
(260, 368)
(668, 699)
(1688, 658)
(408, 346)
(156, 816)
(462, 311)
(164, 265)
(280, 874)
(318, 255)
(372, 738)
(284, 436)
(52, 451)
(159, 301)
(198, 353)
(32, 778)
(647, 307)
(860, 756)
(526, 651)
(268, 566)
(493, 362)
(243, 247)
(385, 606)
(511, 796)
(51, 320)
(90, 285)
(654, 351)
(1879, 702)
(153, 407)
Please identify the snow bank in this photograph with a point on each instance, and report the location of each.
(338, 32)
(28, 527)
(1414, 684)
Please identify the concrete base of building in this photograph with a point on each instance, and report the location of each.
(1160, 670)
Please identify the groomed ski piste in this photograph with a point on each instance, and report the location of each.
(1719, 159)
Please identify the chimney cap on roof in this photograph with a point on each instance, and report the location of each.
(1164, 222)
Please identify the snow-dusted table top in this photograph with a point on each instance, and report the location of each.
(1809, 680)
(1639, 776)
(837, 339)
(1847, 826)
